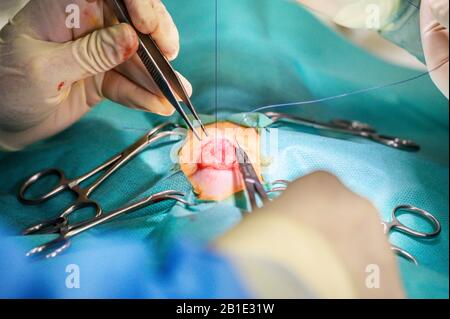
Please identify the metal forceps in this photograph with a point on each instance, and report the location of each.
(395, 224)
(62, 242)
(251, 180)
(354, 128)
(160, 69)
(83, 194)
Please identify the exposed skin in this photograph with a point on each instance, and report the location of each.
(51, 75)
(211, 165)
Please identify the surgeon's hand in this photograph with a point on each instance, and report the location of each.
(435, 41)
(52, 74)
(434, 26)
(321, 233)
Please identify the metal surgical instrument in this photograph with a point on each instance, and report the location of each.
(160, 69)
(278, 186)
(251, 180)
(62, 242)
(395, 224)
(83, 193)
(354, 128)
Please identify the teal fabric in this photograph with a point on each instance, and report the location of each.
(269, 52)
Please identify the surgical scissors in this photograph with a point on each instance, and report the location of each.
(395, 224)
(160, 69)
(62, 242)
(354, 128)
(83, 194)
(251, 180)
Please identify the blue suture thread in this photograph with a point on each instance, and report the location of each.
(343, 95)
(339, 96)
(325, 99)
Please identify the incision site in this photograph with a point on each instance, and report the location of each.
(211, 164)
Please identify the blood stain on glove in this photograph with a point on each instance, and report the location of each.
(211, 164)
(130, 47)
(91, 18)
(128, 52)
(60, 86)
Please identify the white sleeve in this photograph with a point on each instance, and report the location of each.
(372, 14)
(9, 8)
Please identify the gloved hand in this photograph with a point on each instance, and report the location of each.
(51, 75)
(435, 41)
(321, 234)
(434, 26)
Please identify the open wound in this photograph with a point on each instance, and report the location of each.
(211, 164)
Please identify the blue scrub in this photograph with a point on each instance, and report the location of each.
(268, 52)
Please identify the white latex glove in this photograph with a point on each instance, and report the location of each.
(51, 75)
(434, 26)
(435, 41)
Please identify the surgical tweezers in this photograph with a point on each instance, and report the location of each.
(160, 69)
(251, 180)
(354, 128)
